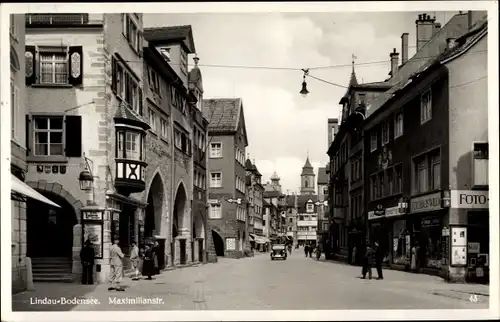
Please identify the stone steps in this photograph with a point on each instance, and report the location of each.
(52, 269)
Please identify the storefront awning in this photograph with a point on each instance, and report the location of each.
(260, 240)
(22, 188)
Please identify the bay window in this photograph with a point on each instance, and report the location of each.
(130, 145)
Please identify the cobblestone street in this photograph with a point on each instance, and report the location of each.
(260, 284)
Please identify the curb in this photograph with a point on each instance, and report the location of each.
(131, 273)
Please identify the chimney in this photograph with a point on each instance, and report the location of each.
(450, 43)
(474, 16)
(404, 48)
(394, 62)
(426, 28)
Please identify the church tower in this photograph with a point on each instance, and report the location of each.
(307, 179)
(275, 182)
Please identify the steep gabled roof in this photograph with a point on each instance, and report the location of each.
(272, 194)
(223, 114)
(126, 115)
(307, 169)
(455, 27)
(170, 34)
(249, 166)
(303, 200)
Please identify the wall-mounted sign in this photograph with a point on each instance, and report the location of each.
(92, 215)
(372, 215)
(473, 248)
(230, 244)
(459, 236)
(393, 211)
(459, 255)
(470, 199)
(426, 203)
(430, 222)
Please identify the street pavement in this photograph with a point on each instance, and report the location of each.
(257, 283)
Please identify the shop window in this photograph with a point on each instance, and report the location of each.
(400, 247)
(480, 164)
(54, 65)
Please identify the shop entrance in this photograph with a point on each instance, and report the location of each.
(49, 230)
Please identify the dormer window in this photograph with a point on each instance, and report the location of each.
(310, 207)
(165, 52)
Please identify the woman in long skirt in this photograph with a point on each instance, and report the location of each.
(148, 263)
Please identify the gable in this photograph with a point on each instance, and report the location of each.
(241, 129)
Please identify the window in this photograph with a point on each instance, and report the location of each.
(215, 211)
(216, 180)
(373, 141)
(422, 175)
(425, 107)
(435, 171)
(14, 108)
(390, 182)
(126, 86)
(362, 98)
(184, 64)
(53, 68)
(215, 150)
(325, 191)
(385, 133)
(310, 207)
(165, 52)
(398, 125)
(132, 32)
(152, 120)
(48, 135)
(132, 146)
(398, 182)
(177, 139)
(164, 128)
(154, 80)
(480, 164)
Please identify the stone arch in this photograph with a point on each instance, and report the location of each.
(180, 218)
(218, 242)
(53, 232)
(57, 189)
(155, 210)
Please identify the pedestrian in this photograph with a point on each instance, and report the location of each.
(135, 260)
(148, 262)
(306, 249)
(378, 260)
(156, 256)
(367, 262)
(311, 250)
(413, 265)
(116, 263)
(87, 256)
(318, 252)
(353, 259)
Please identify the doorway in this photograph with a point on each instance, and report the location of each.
(218, 243)
(49, 230)
(182, 248)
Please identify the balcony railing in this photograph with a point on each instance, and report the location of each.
(57, 18)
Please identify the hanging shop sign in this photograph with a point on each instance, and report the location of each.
(372, 215)
(392, 212)
(426, 203)
(470, 199)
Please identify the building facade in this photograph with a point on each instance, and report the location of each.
(433, 205)
(226, 167)
(255, 191)
(117, 110)
(323, 217)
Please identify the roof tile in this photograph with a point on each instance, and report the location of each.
(222, 113)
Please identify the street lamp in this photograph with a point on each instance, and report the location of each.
(304, 90)
(86, 179)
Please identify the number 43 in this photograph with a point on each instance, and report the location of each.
(473, 298)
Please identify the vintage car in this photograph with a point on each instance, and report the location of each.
(278, 251)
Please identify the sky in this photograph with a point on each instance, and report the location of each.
(282, 126)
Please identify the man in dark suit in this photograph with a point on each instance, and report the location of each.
(378, 260)
(367, 262)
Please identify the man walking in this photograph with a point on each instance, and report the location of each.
(115, 257)
(378, 261)
(367, 262)
(135, 260)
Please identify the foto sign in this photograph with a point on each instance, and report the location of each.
(469, 199)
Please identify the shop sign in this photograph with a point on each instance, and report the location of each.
(430, 222)
(372, 215)
(393, 211)
(459, 235)
(92, 215)
(426, 203)
(230, 244)
(470, 199)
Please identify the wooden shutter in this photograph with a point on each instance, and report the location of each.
(28, 135)
(75, 65)
(30, 63)
(73, 131)
(113, 74)
(139, 92)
